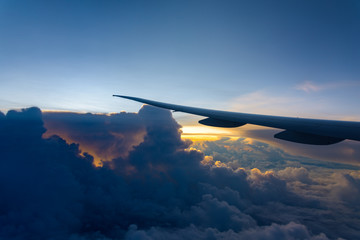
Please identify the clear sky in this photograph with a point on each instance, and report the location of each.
(276, 57)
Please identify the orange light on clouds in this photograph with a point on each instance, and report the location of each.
(83, 149)
(203, 133)
(196, 130)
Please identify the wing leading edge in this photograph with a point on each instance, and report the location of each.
(300, 130)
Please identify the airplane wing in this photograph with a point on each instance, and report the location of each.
(299, 130)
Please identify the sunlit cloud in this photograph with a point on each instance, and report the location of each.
(104, 136)
(343, 152)
(204, 130)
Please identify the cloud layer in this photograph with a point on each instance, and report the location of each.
(159, 189)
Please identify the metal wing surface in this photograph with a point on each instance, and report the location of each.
(299, 130)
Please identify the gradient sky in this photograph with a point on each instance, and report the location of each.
(297, 58)
(67, 58)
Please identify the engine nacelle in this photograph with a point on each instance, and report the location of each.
(213, 122)
(306, 138)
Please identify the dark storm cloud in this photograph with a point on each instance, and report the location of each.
(160, 189)
(273, 232)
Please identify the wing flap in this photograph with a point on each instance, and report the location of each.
(213, 122)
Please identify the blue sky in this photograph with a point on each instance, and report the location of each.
(73, 55)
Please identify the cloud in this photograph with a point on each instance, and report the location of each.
(103, 136)
(265, 153)
(347, 152)
(346, 188)
(159, 189)
(309, 86)
(300, 174)
(275, 231)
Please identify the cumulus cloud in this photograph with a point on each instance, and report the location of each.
(159, 189)
(347, 152)
(275, 232)
(103, 136)
(300, 174)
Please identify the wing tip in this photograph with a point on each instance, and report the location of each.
(131, 98)
(121, 96)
